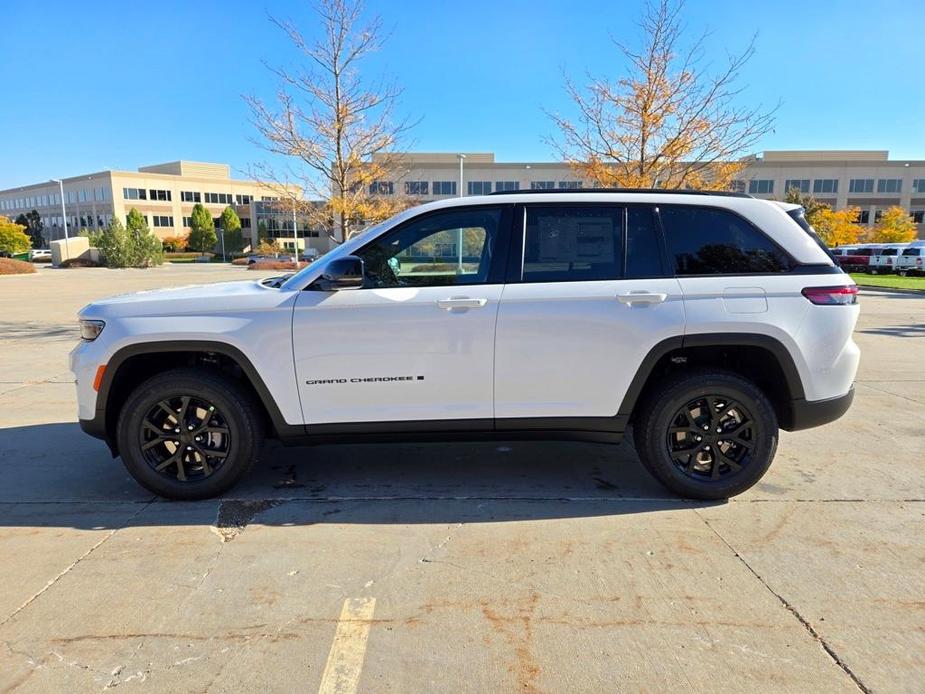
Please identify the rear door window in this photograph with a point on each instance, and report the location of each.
(709, 241)
(573, 243)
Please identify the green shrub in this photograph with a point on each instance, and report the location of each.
(128, 246)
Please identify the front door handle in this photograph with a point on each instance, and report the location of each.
(461, 302)
(642, 298)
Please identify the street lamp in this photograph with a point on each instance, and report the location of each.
(459, 232)
(462, 158)
(67, 244)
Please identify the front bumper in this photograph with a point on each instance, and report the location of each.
(806, 414)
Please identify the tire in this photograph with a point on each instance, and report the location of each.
(669, 432)
(229, 434)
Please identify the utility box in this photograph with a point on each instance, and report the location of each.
(74, 247)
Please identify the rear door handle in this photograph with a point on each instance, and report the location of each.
(642, 298)
(461, 302)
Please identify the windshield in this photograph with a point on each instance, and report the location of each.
(889, 251)
(912, 251)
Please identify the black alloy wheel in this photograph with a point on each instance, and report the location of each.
(711, 436)
(190, 433)
(185, 438)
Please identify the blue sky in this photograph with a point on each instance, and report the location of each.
(90, 87)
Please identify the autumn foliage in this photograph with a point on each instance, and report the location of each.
(894, 226)
(670, 122)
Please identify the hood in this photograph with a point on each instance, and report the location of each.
(206, 299)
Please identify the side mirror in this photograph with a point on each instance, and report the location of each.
(341, 273)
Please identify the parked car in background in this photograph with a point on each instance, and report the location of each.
(40, 254)
(883, 260)
(912, 260)
(856, 258)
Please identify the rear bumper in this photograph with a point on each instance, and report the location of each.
(806, 414)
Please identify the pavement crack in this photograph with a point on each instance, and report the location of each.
(73, 564)
(792, 610)
(429, 557)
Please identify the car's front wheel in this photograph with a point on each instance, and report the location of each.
(707, 434)
(189, 434)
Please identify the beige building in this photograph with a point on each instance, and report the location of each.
(869, 180)
(165, 195)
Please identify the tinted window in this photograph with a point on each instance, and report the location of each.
(570, 244)
(443, 249)
(705, 241)
(643, 255)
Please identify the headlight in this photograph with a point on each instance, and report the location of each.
(91, 329)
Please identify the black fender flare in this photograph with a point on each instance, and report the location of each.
(679, 343)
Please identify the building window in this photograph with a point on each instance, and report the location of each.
(416, 188)
(242, 199)
(889, 185)
(737, 186)
(569, 185)
(542, 185)
(877, 215)
(864, 217)
(506, 186)
(917, 216)
(861, 185)
(245, 222)
(801, 184)
(382, 188)
(161, 220)
(479, 187)
(127, 193)
(162, 195)
(268, 198)
(190, 196)
(187, 222)
(444, 187)
(144, 216)
(825, 185)
(218, 198)
(761, 186)
(918, 185)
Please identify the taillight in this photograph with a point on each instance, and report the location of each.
(832, 296)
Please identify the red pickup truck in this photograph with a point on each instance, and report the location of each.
(853, 258)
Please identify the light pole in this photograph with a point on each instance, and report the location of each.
(67, 243)
(459, 232)
(295, 237)
(462, 158)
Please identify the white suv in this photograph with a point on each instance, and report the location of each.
(704, 322)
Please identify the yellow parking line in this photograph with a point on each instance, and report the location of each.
(345, 661)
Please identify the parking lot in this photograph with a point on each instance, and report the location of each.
(527, 566)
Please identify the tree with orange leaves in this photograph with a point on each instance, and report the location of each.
(894, 226)
(668, 123)
(337, 129)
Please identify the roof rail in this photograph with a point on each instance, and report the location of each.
(660, 191)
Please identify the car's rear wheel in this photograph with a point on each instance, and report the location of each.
(707, 434)
(189, 434)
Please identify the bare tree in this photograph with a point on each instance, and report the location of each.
(670, 122)
(338, 131)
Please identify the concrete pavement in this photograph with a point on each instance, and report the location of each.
(528, 566)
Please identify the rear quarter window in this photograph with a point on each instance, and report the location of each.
(710, 241)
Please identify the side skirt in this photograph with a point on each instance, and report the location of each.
(591, 429)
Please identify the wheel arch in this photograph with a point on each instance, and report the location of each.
(132, 364)
(763, 359)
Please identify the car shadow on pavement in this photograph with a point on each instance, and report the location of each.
(53, 474)
(911, 330)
